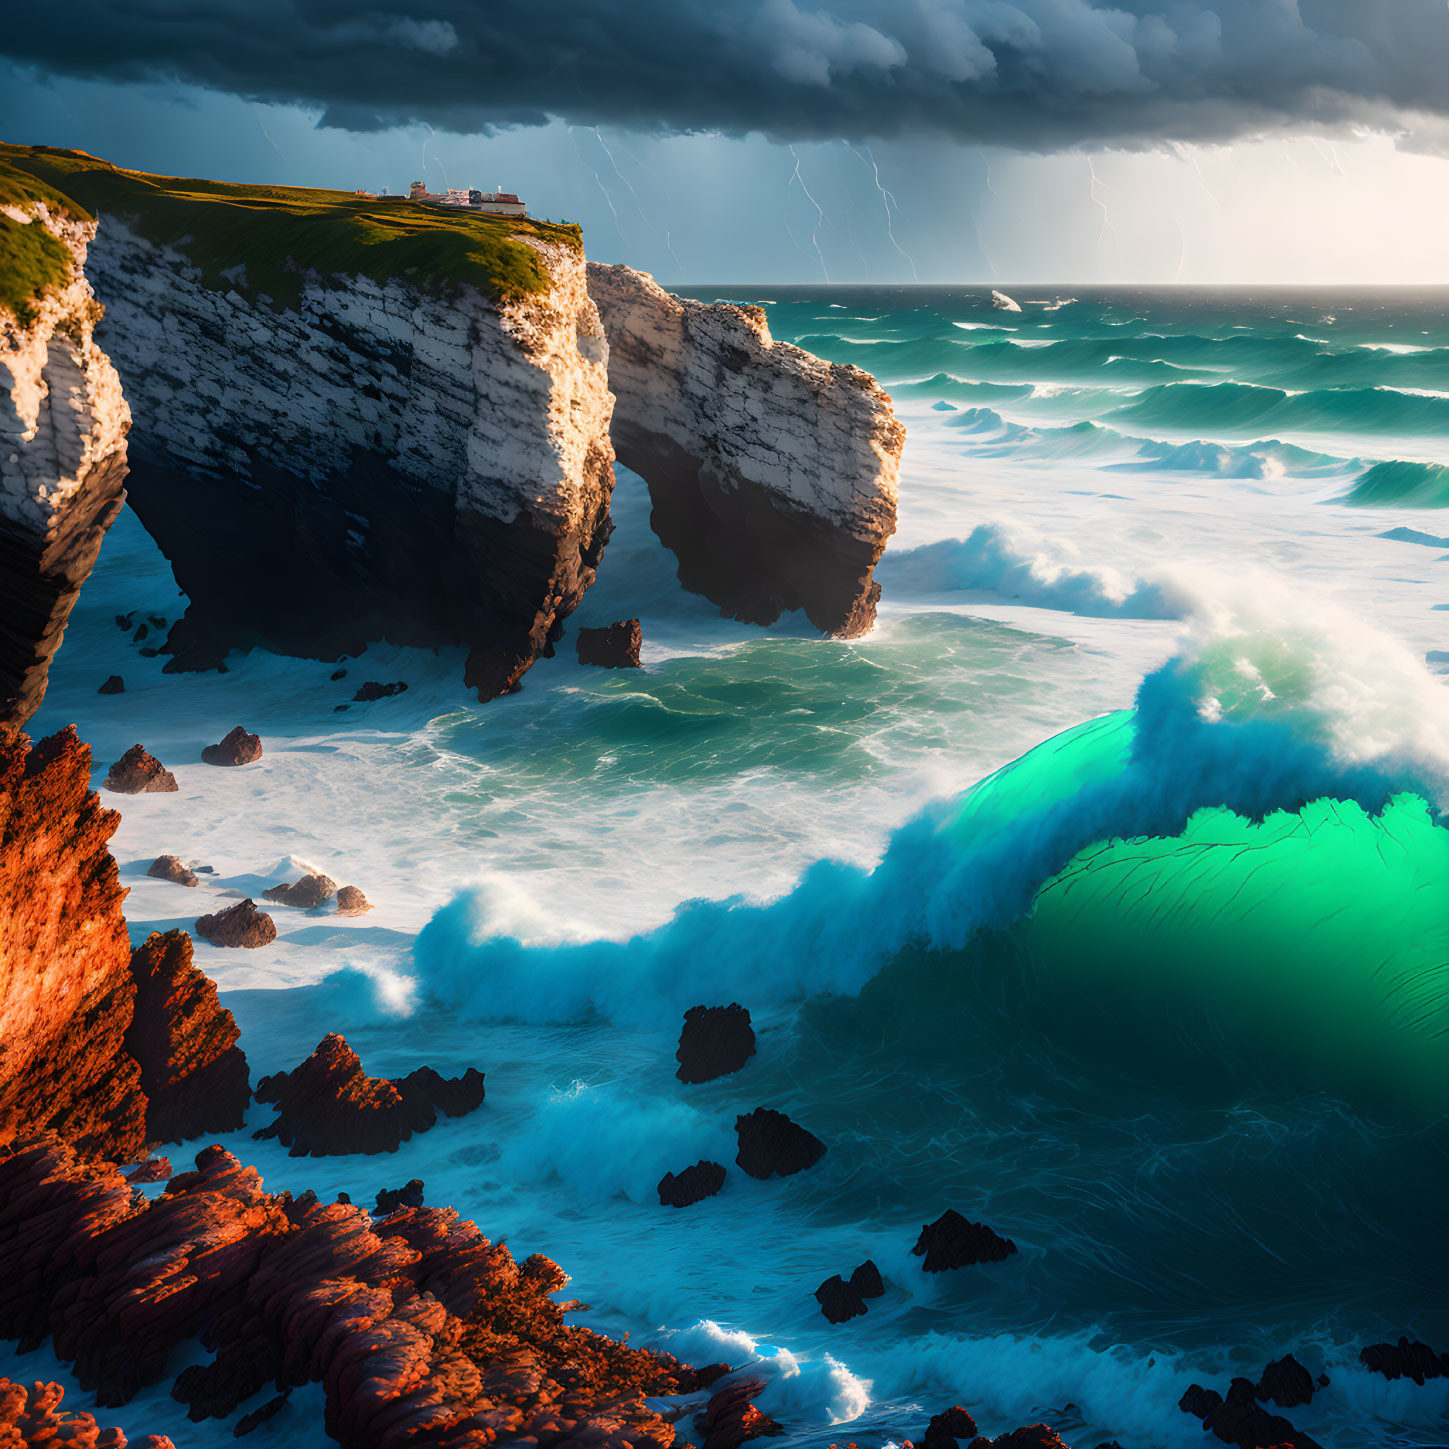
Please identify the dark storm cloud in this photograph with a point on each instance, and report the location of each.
(1026, 73)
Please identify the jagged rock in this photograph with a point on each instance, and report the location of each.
(141, 632)
(66, 989)
(953, 1242)
(770, 1144)
(113, 685)
(866, 1280)
(411, 1322)
(249, 1422)
(171, 867)
(236, 748)
(30, 1418)
(1033, 1436)
(125, 621)
(63, 425)
(239, 925)
(373, 690)
(947, 1427)
(138, 772)
(192, 1071)
(1407, 1359)
(1286, 1382)
(154, 1169)
(352, 902)
(839, 1300)
(692, 1185)
(390, 1199)
(1198, 1401)
(1241, 1421)
(329, 1106)
(730, 1417)
(772, 473)
(615, 646)
(311, 890)
(715, 1041)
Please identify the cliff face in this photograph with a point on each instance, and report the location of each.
(772, 473)
(63, 426)
(373, 460)
(109, 1048)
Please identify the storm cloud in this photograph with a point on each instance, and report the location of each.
(1031, 74)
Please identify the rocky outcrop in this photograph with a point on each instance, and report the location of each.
(730, 1418)
(309, 891)
(114, 684)
(372, 690)
(693, 1185)
(139, 772)
(63, 425)
(405, 460)
(192, 1071)
(236, 748)
(615, 646)
(841, 1299)
(241, 925)
(34, 1417)
(329, 1106)
(1238, 1418)
(1406, 1359)
(954, 1242)
(771, 1144)
(715, 1041)
(352, 902)
(172, 868)
(90, 1029)
(772, 473)
(949, 1427)
(421, 1332)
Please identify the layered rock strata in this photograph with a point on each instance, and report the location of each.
(772, 473)
(421, 1331)
(108, 1047)
(378, 461)
(329, 1106)
(63, 425)
(34, 1417)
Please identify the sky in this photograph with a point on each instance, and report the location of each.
(780, 141)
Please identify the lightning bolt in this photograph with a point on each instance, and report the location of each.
(819, 214)
(1097, 201)
(594, 171)
(598, 136)
(436, 159)
(887, 200)
(267, 134)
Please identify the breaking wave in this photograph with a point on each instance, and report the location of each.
(1399, 484)
(1235, 405)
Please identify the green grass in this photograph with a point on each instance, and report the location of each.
(32, 261)
(281, 234)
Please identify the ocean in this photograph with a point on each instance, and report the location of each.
(1100, 893)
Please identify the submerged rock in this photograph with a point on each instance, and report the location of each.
(172, 868)
(715, 1041)
(113, 685)
(352, 902)
(373, 690)
(309, 891)
(328, 1106)
(241, 925)
(273, 1406)
(138, 772)
(772, 1145)
(953, 1242)
(692, 1185)
(1407, 1359)
(615, 646)
(236, 748)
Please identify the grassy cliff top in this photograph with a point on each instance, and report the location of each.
(32, 261)
(281, 233)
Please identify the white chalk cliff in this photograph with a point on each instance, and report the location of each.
(772, 473)
(63, 425)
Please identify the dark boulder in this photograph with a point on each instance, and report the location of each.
(839, 1300)
(390, 1199)
(953, 1242)
(248, 1422)
(1033, 1436)
(242, 925)
(1405, 1360)
(114, 685)
(692, 1185)
(1240, 1420)
(772, 1145)
(236, 748)
(371, 690)
(170, 867)
(1286, 1382)
(716, 1041)
(139, 772)
(311, 890)
(947, 1427)
(866, 1280)
(1198, 1401)
(616, 646)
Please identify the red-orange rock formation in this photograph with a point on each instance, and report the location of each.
(422, 1332)
(192, 1071)
(70, 1033)
(138, 772)
(730, 1417)
(329, 1105)
(34, 1417)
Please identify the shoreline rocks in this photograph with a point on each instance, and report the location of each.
(172, 868)
(615, 646)
(953, 1242)
(693, 1185)
(715, 1041)
(235, 748)
(305, 894)
(352, 902)
(772, 1145)
(241, 925)
(138, 772)
(328, 1106)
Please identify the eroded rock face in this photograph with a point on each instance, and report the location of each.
(240, 925)
(420, 1330)
(329, 1106)
(139, 772)
(236, 748)
(772, 473)
(192, 1071)
(63, 425)
(398, 463)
